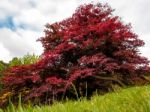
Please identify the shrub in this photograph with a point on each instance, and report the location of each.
(92, 50)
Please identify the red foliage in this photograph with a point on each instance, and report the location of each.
(91, 43)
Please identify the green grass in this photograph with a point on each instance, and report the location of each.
(135, 99)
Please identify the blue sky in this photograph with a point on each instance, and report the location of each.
(22, 22)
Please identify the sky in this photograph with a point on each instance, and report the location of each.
(22, 22)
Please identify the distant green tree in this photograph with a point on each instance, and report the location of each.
(27, 59)
(3, 65)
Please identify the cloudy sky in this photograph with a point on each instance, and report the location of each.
(22, 22)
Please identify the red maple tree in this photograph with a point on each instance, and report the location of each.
(92, 50)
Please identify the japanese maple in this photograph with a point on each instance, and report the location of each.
(92, 50)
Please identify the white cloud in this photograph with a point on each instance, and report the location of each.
(30, 16)
(146, 49)
(19, 43)
(4, 55)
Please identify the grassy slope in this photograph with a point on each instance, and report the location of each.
(135, 99)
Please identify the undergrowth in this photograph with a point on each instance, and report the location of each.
(135, 99)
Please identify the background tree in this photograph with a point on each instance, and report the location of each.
(92, 50)
(25, 60)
